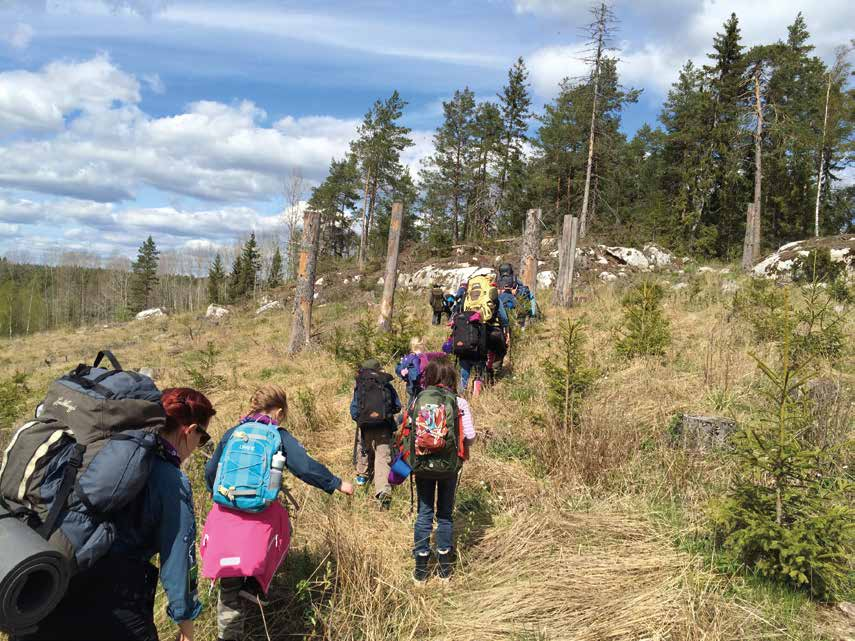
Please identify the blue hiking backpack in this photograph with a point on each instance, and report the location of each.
(243, 479)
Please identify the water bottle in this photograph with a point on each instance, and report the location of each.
(276, 468)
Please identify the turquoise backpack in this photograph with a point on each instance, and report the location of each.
(243, 473)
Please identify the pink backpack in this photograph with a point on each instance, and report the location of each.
(236, 543)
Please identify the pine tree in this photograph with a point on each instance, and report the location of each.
(484, 202)
(144, 277)
(216, 281)
(449, 170)
(274, 278)
(377, 149)
(335, 199)
(250, 263)
(514, 105)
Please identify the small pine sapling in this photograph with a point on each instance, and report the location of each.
(785, 515)
(569, 376)
(646, 331)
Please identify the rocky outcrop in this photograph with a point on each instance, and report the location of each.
(545, 280)
(703, 432)
(446, 277)
(146, 314)
(272, 306)
(216, 312)
(779, 264)
(628, 256)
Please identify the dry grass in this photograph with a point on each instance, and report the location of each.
(567, 547)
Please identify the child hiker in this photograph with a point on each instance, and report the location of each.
(374, 405)
(412, 367)
(437, 439)
(247, 532)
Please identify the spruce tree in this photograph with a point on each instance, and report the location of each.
(274, 278)
(144, 277)
(488, 130)
(250, 263)
(236, 289)
(335, 199)
(216, 281)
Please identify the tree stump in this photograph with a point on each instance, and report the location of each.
(704, 432)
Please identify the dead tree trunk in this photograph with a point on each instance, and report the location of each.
(821, 171)
(301, 327)
(363, 240)
(751, 245)
(601, 26)
(530, 247)
(566, 262)
(391, 278)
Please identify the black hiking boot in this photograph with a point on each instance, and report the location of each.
(384, 499)
(420, 574)
(445, 564)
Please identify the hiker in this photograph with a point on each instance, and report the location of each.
(114, 599)
(506, 279)
(411, 368)
(262, 426)
(459, 298)
(439, 433)
(481, 328)
(448, 305)
(373, 407)
(437, 303)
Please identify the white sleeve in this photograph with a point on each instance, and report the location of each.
(466, 418)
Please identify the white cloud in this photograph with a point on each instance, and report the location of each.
(8, 229)
(153, 81)
(106, 148)
(550, 65)
(41, 100)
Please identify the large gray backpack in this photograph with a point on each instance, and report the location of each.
(87, 455)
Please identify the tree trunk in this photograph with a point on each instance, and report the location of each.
(363, 241)
(819, 175)
(751, 244)
(583, 220)
(301, 328)
(567, 260)
(530, 247)
(391, 278)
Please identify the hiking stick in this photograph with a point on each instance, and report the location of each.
(355, 444)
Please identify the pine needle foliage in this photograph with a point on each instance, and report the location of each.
(646, 331)
(785, 515)
(568, 376)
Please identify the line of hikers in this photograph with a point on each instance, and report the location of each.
(142, 437)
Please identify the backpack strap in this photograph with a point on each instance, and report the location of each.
(69, 475)
(113, 360)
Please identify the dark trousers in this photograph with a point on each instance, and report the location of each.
(496, 341)
(113, 601)
(440, 494)
(437, 317)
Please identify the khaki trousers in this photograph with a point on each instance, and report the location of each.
(375, 456)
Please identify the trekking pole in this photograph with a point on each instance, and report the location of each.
(355, 444)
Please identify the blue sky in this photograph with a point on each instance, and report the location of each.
(183, 118)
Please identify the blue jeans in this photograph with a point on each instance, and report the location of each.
(441, 493)
(465, 369)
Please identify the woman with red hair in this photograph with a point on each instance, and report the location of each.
(115, 598)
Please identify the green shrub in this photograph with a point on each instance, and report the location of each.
(364, 341)
(200, 369)
(14, 394)
(568, 375)
(509, 448)
(785, 515)
(817, 267)
(646, 331)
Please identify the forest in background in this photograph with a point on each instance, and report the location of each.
(684, 184)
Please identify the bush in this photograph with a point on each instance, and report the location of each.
(785, 515)
(646, 331)
(201, 369)
(14, 394)
(365, 341)
(817, 267)
(568, 376)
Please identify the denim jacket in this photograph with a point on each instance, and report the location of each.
(163, 522)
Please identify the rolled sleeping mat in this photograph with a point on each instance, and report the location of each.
(33, 577)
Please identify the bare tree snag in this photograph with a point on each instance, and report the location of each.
(301, 328)
(751, 244)
(566, 262)
(391, 278)
(363, 240)
(530, 247)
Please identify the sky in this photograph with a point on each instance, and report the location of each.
(184, 119)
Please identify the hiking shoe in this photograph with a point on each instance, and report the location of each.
(385, 500)
(360, 480)
(420, 574)
(445, 563)
(252, 592)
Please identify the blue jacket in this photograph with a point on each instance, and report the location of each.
(502, 314)
(354, 403)
(297, 460)
(411, 363)
(163, 522)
